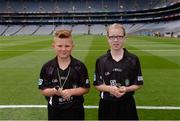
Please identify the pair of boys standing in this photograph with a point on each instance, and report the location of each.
(64, 80)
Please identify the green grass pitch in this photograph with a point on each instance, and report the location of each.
(21, 58)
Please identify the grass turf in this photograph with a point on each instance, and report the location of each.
(21, 58)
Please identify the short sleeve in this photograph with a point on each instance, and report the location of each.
(98, 75)
(84, 78)
(138, 74)
(43, 79)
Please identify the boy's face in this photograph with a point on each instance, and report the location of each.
(63, 47)
(116, 38)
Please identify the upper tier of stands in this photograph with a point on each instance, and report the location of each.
(35, 6)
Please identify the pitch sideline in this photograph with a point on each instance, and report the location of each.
(92, 107)
(92, 50)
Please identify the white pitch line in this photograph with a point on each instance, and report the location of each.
(92, 107)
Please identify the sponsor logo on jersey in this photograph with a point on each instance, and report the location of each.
(64, 101)
(117, 70)
(54, 80)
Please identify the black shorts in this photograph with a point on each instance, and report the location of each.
(117, 110)
(73, 113)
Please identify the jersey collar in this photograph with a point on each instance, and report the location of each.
(124, 56)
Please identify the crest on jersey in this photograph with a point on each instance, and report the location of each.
(113, 83)
(40, 81)
(127, 82)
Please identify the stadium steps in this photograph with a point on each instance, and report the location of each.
(53, 30)
(35, 30)
(27, 30)
(17, 30)
(4, 31)
(11, 30)
(45, 30)
(135, 28)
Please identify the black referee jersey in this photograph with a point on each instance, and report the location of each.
(125, 72)
(77, 77)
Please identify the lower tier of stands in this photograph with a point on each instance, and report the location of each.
(141, 29)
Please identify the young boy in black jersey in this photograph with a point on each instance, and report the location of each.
(117, 76)
(64, 80)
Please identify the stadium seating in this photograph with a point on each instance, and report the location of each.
(98, 29)
(42, 17)
(28, 30)
(12, 30)
(162, 27)
(80, 5)
(45, 30)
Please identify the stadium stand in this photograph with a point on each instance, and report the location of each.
(163, 28)
(80, 5)
(42, 17)
(98, 29)
(3, 29)
(28, 30)
(12, 30)
(80, 29)
(45, 30)
(69, 27)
